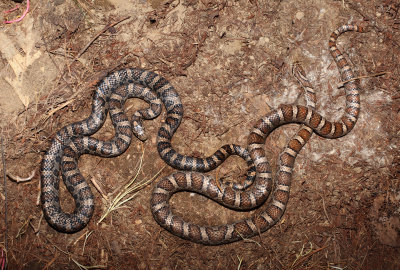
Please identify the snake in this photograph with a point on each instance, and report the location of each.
(255, 195)
(73, 141)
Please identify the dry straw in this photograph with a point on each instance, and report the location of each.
(130, 190)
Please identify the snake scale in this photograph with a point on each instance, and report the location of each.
(74, 140)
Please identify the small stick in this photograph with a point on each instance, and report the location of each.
(51, 261)
(59, 107)
(97, 186)
(80, 4)
(307, 256)
(84, 243)
(4, 262)
(39, 194)
(39, 223)
(23, 228)
(247, 239)
(99, 34)
(19, 179)
(326, 213)
(88, 267)
(79, 238)
(365, 76)
(240, 261)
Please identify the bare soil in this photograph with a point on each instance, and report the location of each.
(230, 62)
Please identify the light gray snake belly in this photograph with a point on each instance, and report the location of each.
(257, 193)
(74, 140)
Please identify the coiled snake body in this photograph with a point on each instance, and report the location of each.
(73, 141)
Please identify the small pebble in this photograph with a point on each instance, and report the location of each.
(142, 265)
(299, 15)
(138, 221)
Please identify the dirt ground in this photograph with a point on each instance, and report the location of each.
(230, 62)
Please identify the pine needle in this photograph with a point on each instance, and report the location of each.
(130, 190)
(82, 267)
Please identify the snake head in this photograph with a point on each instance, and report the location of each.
(139, 130)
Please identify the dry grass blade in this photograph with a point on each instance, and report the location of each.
(99, 34)
(130, 190)
(19, 179)
(87, 234)
(23, 228)
(59, 107)
(304, 255)
(248, 240)
(240, 262)
(82, 267)
(88, 267)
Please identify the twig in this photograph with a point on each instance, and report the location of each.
(19, 179)
(99, 189)
(365, 76)
(36, 230)
(22, 230)
(79, 238)
(86, 235)
(59, 107)
(51, 261)
(38, 196)
(88, 267)
(84, 242)
(336, 267)
(309, 254)
(248, 239)
(326, 212)
(4, 261)
(99, 34)
(63, 251)
(77, 263)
